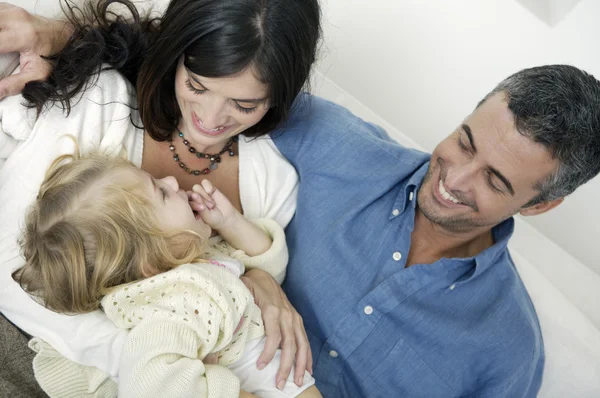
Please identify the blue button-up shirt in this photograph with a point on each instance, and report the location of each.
(457, 327)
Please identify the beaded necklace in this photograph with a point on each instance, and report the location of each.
(215, 159)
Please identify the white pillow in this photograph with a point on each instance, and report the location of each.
(571, 341)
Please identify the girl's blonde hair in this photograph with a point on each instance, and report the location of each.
(89, 230)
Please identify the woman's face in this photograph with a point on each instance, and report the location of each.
(216, 109)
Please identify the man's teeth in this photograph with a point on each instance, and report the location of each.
(446, 195)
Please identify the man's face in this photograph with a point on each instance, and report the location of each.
(484, 172)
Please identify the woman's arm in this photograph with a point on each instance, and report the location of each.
(283, 327)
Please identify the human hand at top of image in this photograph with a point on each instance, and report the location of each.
(33, 38)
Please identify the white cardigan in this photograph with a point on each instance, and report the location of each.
(100, 120)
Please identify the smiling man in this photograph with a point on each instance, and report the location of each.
(399, 261)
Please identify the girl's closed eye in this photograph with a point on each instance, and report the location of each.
(165, 193)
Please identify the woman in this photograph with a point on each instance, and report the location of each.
(208, 71)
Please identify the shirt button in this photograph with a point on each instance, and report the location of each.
(333, 354)
(411, 195)
(368, 310)
(395, 212)
(397, 256)
(452, 286)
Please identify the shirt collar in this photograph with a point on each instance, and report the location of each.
(490, 256)
(407, 195)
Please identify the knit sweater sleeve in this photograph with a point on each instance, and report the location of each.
(274, 261)
(160, 360)
(176, 319)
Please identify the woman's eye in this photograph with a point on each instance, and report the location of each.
(244, 109)
(193, 89)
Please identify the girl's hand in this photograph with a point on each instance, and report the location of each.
(283, 326)
(212, 206)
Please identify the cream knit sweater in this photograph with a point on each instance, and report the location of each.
(175, 319)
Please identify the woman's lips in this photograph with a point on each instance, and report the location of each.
(202, 129)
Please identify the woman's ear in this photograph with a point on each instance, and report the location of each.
(540, 207)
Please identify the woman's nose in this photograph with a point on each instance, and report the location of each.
(212, 114)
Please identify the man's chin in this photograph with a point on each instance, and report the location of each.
(449, 223)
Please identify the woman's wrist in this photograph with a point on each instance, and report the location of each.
(51, 35)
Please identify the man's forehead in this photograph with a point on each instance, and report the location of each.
(495, 110)
(515, 155)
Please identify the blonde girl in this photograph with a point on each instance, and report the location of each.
(105, 234)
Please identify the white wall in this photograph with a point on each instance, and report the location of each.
(422, 65)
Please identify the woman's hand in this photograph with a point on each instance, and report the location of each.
(283, 326)
(246, 394)
(33, 37)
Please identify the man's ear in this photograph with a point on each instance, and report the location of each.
(540, 207)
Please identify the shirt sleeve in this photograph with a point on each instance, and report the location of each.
(62, 378)
(15, 125)
(7, 145)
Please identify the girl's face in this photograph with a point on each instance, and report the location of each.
(171, 204)
(216, 109)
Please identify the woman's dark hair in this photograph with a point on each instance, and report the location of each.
(218, 38)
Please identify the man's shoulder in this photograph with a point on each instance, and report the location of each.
(320, 125)
(313, 116)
